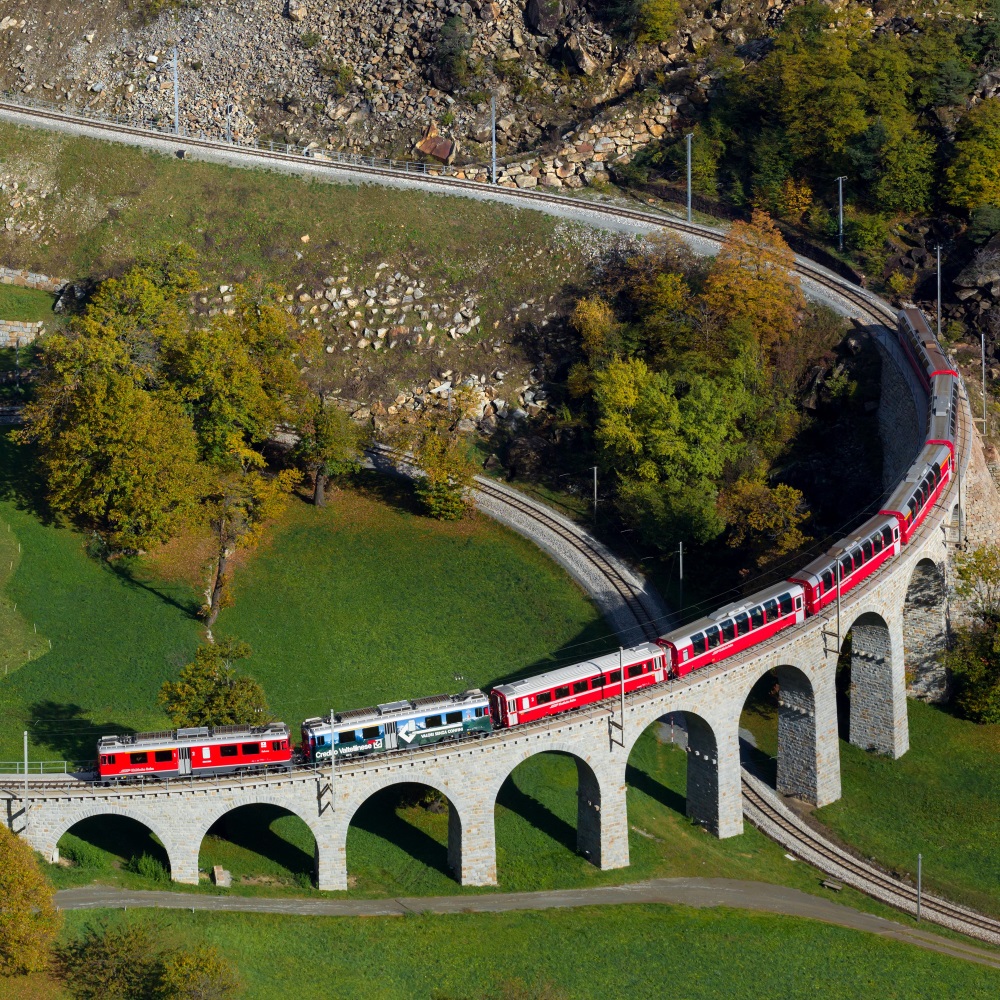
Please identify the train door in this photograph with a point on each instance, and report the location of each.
(390, 736)
(183, 760)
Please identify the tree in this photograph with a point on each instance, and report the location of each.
(29, 920)
(896, 161)
(657, 20)
(120, 962)
(450, 59)
(752, 279)
(210, 692)
(448, 472)
(978, 574)
(973, 178)
(199, 974)
(974, 661)
(240, 505)
(763, 519)
(330, 444)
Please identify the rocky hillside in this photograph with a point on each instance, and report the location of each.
(368, 76)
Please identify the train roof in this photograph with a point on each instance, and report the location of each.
(394, 710)
(845, 544)
(578, 671)
(932, 454)
(729, 610)
(202, 735)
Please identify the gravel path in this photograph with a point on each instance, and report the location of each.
(760, 897)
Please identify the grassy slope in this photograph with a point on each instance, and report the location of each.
(25, 304)
(641, 951)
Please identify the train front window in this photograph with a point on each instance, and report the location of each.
(742, 623)
(163, 756)
(728, 630)
(756, 617)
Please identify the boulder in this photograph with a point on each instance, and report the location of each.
(543, 17)
(297, 13)
(584, 61)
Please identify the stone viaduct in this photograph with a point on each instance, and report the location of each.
(470, 775)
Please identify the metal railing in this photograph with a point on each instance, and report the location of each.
(42, 767)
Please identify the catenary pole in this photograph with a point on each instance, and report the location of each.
(680, 554)
(177, 98)
(493, 133)
(26, 779)
(920, 877)
(688, 138)
(982, 354)
(939, 292)
(595, 494)
(229, 122)
(840, 213)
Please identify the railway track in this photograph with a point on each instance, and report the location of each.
(761, 804)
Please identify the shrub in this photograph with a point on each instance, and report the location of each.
(340, 75)
(84, 855)
(450, 58)
(149, 868)
(656, 20)
(310, 39)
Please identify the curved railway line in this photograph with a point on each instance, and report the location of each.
(762, 806)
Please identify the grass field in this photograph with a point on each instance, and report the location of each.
(25, 305)
(617, 952)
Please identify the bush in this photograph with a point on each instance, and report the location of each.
(84, 855)
(310, 39)
(450, 58)
(340, 75)
(866, 233)
(985, 224)
(656, 20)
(974, 661)
(149, 868)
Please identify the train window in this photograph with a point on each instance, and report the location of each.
(372, 732)
(846, 567)
(480, 712)
(635, 670)
(742, 623)
(616, 677)
(579, 687)
(771, 607)
(275, 744)
(163, 756)
(877, 542)
(433, 722)
(562, 692)
(598, 681)
(544, 697)
(452, 717)
(866, 550)
(828, 580)
(350, 736)
(228, 751)
(756, 617)
(112, 757)
(712, 634)
(698, 642)
(104, 758)
(249, 749)
(138, 758)
(728, 630)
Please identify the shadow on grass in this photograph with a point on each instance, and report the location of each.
(392, 489)
(648, 785)
(537, 814)
(117, 835)
(20, 481)
(63, 728)
(124, 569)
(378, 816)
(250, 827)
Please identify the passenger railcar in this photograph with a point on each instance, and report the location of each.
(943, 424)
(855, 558)
(921, 349)
(397, 725)
(573, 687)
(917, 493)
(734, 628)
(201, 750)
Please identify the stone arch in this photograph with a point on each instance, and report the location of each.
(878, 685)
(695, 735)
(925, 631)
(471, 846)
(601, 815)
(808, 757)
(45, 837)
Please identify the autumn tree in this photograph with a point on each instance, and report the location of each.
(199, 973)
(764, 520)
(330, 444)
(210, 691)
(239, 506)
(752, 278)
(443, 457)
(978, 576)
(973, 177)
(29, 920)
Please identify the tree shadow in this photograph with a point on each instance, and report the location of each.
(118, 835)
(378, 816)
(390, 488)
(64, 728)
(124, 569)
(20, 481)
(249, 827)
(537, 814)
(648, 785)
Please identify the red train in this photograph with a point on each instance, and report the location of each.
(725, 633)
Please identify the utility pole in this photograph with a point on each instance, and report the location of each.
(939, 293)
(229, 122)
(982, 354)
(177, 98)
(595, 495)
(680, 552)
(333, 756)
(689, 137)
(493, 132)
(26, 779)
(840, 199)
(920, 873)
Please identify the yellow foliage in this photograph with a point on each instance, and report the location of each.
(763, 518)
(29, 919)
(595, 322)
(796, 197)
